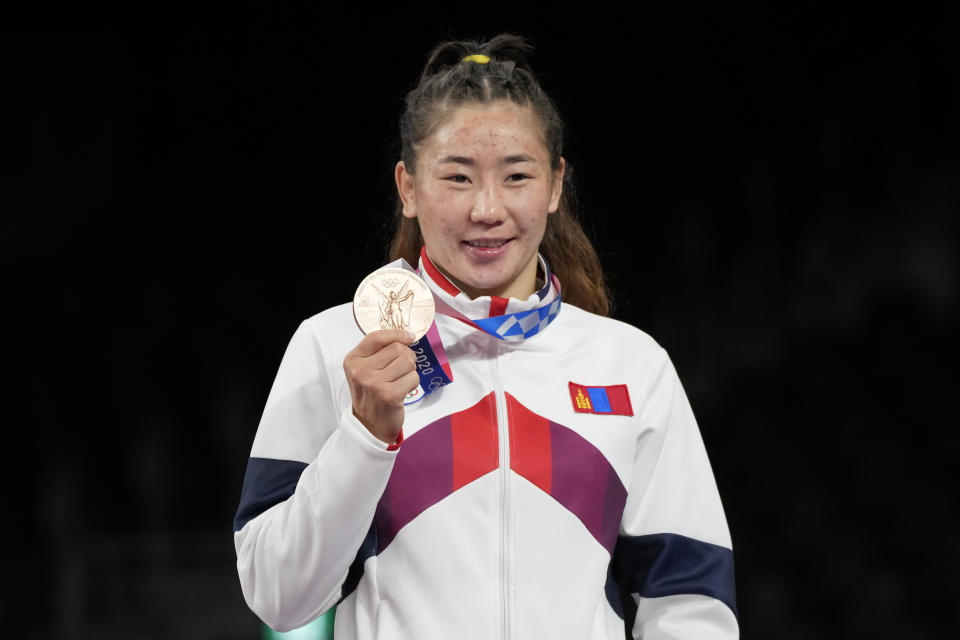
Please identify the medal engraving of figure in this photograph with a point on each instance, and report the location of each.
(393, 298)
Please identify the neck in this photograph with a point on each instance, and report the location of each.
(521, 288)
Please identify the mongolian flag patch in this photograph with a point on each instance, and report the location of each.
(611, 400)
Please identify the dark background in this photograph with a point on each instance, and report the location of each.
(774, 195)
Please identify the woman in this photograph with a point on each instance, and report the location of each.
(557, 488)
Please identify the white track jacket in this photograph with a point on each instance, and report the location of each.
(506, 512)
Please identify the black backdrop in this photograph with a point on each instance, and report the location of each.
(774, 195)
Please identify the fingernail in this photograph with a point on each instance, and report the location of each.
(411, 337)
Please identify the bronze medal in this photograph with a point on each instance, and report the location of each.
(393, 298)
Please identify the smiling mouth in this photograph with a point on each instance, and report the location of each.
(486, 244)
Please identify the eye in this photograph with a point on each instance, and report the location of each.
(459, 178)
(518, 177)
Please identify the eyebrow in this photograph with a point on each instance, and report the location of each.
(457, 160)
(522, 157)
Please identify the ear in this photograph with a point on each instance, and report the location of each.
(406, 189)
(556, 189)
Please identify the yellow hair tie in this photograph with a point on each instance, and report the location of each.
(477, 57)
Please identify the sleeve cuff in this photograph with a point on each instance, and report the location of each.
(356, 428)
(396, 445)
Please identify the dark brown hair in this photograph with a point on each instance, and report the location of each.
(447, 82)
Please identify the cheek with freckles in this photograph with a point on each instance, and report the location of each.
(448, 229)
(439, 230)
(529, 209)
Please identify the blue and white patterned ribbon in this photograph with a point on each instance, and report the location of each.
(510, 327)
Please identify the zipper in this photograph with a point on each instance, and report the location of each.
(503, 436)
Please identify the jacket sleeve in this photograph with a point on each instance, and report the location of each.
(673, 560)
(311, 487)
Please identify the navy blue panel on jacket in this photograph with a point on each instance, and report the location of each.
(266, 482)
(667, 564)
(367, 549)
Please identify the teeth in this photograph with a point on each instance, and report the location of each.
(487, 243)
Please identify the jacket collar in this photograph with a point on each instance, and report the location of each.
(486, 306)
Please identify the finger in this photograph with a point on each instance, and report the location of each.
(409, 382)
(402, 386)
(376, 340)
(399, 366)
(382, 358)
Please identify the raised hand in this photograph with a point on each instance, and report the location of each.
(381, 370)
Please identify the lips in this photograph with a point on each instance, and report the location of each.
(487, 243)
(487, 248)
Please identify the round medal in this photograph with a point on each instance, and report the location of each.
(393, 298)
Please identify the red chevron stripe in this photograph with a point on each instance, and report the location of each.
(529, 444)
(568, 468)
(434, 462)
(474, 438)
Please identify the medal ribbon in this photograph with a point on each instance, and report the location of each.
(433, 366)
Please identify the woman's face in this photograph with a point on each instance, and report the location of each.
(482, 192)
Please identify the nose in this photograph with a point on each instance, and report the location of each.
(489, 206)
